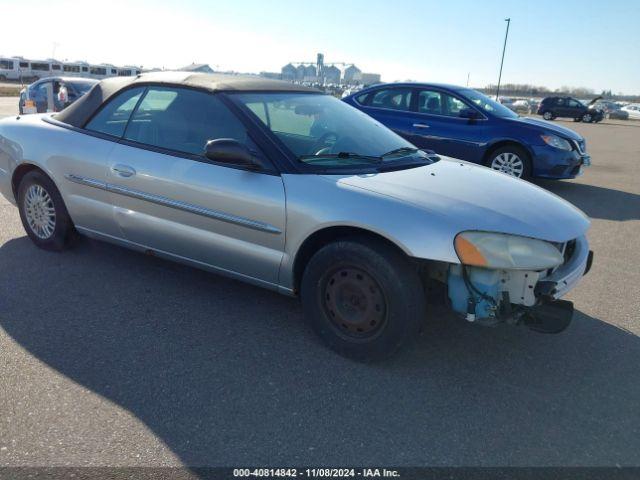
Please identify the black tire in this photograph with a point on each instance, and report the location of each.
(587, 118)
(548, 115)
(63, 232)
(577, 119)
(380, 283)
(516, 150)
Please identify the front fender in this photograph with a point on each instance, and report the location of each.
(317, 202)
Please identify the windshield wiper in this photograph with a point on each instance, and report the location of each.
(346, 155)
(400, 150)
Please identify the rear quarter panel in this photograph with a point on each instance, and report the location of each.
(58, 151)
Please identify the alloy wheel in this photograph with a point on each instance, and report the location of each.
(508, 163)
(40, 212)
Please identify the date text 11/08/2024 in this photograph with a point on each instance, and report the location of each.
(316, 472)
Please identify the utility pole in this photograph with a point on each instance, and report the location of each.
(508, 20)
(468, 75)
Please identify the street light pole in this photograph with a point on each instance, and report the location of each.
(508, 20)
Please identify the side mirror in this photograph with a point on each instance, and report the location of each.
(228, 150)
(469, 113)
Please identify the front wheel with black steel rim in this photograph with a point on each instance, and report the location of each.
(363, 298)
(511, 160)
(43, 213)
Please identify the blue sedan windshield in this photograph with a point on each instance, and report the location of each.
(486, 104)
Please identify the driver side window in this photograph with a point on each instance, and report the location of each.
(113, 117)
(182, 120)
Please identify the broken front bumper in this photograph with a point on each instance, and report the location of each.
(565, 277)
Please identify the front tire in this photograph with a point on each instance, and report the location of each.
(512, 160)
(548, 115)
(43, 213)
(363, 298)
(587, 118)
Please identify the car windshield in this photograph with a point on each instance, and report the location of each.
(487, 105)
(82, 87)
(324, 131)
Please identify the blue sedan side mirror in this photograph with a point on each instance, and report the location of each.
(469, 113)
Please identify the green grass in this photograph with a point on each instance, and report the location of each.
(10, 90)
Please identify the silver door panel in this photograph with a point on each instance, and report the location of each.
(225, 217)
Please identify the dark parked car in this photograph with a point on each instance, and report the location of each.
(615, 112)
(568, 107)
(463, 123)
(37, 92)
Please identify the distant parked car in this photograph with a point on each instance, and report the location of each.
(606, 106)
(37, 92)
(534, 103)
(568, 107)
(463, 123)
(616, 113)
(520, 106)
(632, 110)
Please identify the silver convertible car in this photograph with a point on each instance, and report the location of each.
(293, 190)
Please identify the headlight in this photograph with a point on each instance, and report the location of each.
(556, 142)
(508, 252)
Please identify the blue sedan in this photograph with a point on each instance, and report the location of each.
(463, 123)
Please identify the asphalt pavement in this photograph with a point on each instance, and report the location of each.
(110, 357)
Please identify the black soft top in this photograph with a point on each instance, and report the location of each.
(79, 112)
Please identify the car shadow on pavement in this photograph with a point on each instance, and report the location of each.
(596, 202)
(227, 374)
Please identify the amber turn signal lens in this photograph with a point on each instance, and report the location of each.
(468, 253)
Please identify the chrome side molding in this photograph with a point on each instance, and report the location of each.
(178, 205)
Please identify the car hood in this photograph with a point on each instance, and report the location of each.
(594, 101)
(471, 197)
(548, 126)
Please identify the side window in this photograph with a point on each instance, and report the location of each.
(182, 120)
(113, 117)
(430, 102)
(560, 102)
(452, 106)
(362, 99)
(393, 98)
(573, 103)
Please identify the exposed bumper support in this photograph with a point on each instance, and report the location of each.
(568, 275)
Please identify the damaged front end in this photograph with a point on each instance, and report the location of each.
(515, 280)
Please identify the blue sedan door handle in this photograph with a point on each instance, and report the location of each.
(123, 170)
(420, 125)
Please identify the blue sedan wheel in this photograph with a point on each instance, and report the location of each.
(510, 160)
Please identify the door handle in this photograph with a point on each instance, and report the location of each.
(420, 125)
(123, 170)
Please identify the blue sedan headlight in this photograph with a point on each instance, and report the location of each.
(556, 142)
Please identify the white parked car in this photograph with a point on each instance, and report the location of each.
(633, 110)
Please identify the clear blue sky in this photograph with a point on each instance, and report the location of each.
(594, 44)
